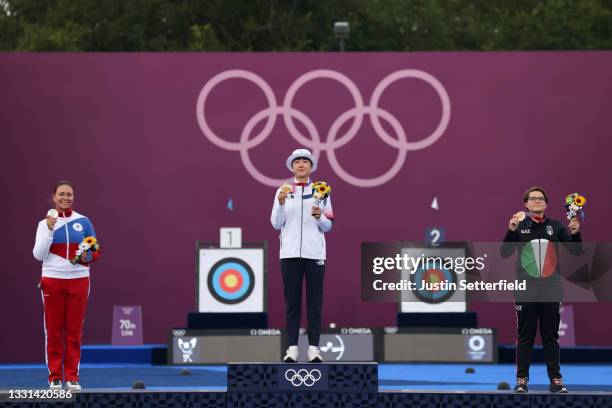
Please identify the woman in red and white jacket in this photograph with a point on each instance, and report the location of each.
(64, 285)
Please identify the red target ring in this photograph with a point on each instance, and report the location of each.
(231, 280)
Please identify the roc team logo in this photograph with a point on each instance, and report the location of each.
(539, 258)
(231, 280)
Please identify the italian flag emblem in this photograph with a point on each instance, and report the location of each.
(539, 258)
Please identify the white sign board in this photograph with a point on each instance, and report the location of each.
(230, 238)
(231, 280)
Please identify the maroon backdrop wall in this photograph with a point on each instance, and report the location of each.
(124, 129)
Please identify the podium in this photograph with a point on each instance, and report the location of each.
(303, 385)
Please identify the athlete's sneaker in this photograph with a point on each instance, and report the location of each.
(292, 355)
(55, 385)
(521, 386)
(73, 385)
(314, 356)
(556, 386)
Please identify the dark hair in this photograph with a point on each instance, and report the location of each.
(62, 183)
(532, 189)
(300, 157)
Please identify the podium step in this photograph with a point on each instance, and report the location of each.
(307, 385)
(282, 377)
(108, 354)
(303, 400)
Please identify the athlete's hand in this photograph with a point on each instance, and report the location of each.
(573, 226)
(281, 197)
(51, 222)
(514, 222)
(316, 212)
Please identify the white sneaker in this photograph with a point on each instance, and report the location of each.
(314, 356)
(55, 385)
(73, 385)
(292, 355)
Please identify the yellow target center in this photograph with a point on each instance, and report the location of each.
(231, 281)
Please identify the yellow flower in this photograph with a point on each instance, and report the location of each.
(580, 201)
(322, 186)
(91, 241)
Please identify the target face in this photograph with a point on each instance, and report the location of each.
(429, 277)
(231, 280)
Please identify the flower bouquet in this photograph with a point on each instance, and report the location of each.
(574, 205)
(320, 191)
(86, 247)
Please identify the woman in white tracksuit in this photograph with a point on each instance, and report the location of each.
(302, 251)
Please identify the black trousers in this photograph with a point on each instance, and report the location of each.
(527, 316)
(294, 270)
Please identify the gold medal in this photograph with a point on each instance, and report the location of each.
(286, 188)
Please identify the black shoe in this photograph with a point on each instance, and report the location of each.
(521, 386)
(557, 387)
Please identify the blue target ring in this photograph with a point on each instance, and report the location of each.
(232, 272)
(433, 275)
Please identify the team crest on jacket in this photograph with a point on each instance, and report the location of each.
(526, 231)
(549, 230)
(77, 227)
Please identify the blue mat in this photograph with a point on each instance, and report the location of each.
(452, 377)
(442, 377)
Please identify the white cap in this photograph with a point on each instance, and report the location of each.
(301, 153)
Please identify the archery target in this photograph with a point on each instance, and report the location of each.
(231, 280)
(432, 300)
(424, 277)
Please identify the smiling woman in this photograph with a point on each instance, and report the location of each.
(303, 217)
(63, 195)
(66, 244)
(535, 305)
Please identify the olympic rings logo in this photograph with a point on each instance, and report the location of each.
(303, 377)
(333, 140)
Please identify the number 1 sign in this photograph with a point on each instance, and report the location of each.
(230, 238)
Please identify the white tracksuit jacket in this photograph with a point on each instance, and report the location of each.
(302, 235)
(56, 248)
